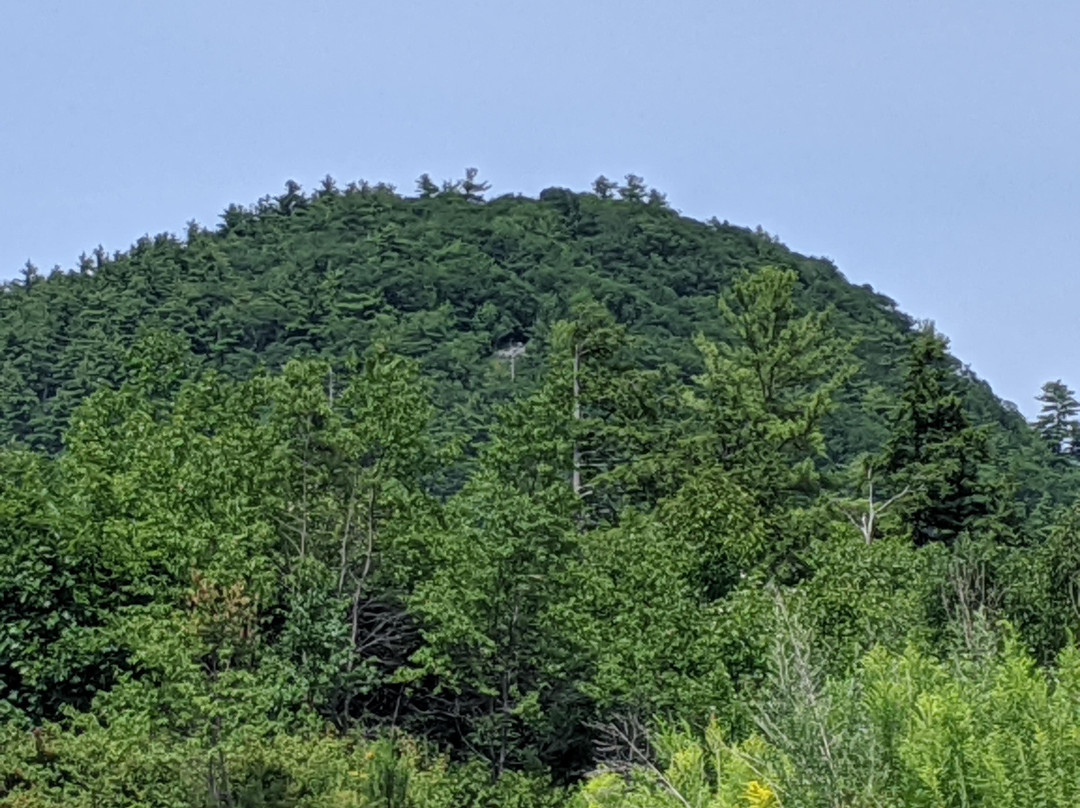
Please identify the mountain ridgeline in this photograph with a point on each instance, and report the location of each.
(365, 499)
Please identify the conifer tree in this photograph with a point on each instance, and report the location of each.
(596, 423)
(764, 394)
(760, 404)
(473, 189)
(30, 275)
(634, 190)
(935, 451)
(426, 187)
(328, 187)
(603, 187)
(292, 200)
(1058, 422)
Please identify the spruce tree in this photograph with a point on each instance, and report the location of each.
(935, 451)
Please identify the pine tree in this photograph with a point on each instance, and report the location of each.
(292, 200)
(760, 405)
(634, 190)
(426, 187)
(471, 188)
(596, 423)
(764, 394)
(1058, 422)
(603, 187)
(30, 275)
(328, 187)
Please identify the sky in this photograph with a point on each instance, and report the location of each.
(931, 148)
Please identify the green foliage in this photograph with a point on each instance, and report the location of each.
(126, 764)
(936, 454)
(47, 609)
(1058, 423)
(364, 500)
(765, 394)
(1043, 597)
(761, 401)
(902, 730)
(442, 278)
(656, 651)
(895, 596)
(490, 615)
(688, 770)
(722, 527)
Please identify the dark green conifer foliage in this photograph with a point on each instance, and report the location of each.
(30, 275)
(328, 274)
(634, 190)
(472, 189)
(425, 187)
(934, 451)
(1058, 422)
(603, 187)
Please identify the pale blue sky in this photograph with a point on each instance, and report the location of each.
(930, 148)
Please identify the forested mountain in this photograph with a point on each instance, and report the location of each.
(364, 499)
(442, 278)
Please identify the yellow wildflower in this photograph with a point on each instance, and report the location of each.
(759, 795)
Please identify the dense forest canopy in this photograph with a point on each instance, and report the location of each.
(382, 500)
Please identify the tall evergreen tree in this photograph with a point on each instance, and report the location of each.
(1058, 422)
(473, 189)
(764, 394)
(760, 405)
(934, 450)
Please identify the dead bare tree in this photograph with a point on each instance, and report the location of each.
(864, 516)
(511, 354)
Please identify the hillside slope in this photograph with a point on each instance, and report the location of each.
(443, 277)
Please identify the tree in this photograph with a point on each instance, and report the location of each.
(935, 452)
(765, 392)
(328, 187)
(865, 515)
(46, 600)
(604, 188)
(495, 627)
(292, 200)
(634, 190)
(426, 187)
(351, 453)
(653, 648)
(758, 409)
(471, 188)
(596, 422)
(30, 276)
(1058, 422)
